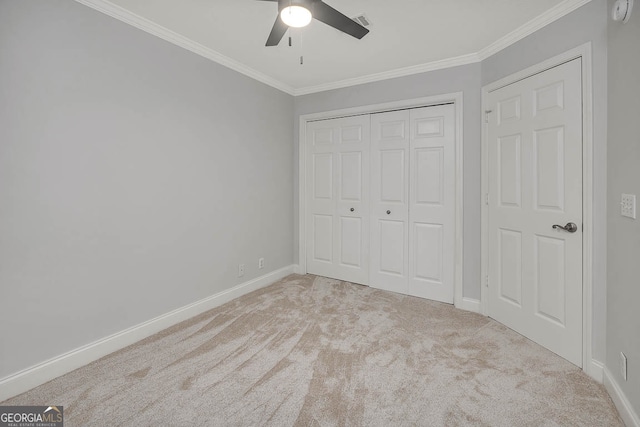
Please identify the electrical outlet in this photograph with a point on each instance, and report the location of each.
(261, 263)
(623, 365)
(628, 205)
(240, 270)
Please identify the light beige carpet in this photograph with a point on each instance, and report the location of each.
(313, 351)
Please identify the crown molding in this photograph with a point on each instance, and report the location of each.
(157, 30)
(399, 72)
(546, 18)
(121, 14)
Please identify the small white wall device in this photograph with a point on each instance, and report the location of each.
(622, 10)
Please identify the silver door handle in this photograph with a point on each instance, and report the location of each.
(388, 212)
(570, 227)
(352, 209)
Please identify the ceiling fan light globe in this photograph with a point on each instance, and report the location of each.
(296, 16)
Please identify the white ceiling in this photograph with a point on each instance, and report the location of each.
(405, 37)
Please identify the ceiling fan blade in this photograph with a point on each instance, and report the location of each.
(277, 32)
(325, 13)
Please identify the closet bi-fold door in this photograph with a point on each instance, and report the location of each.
(413, 202)
(390, 201)
(432, 203)
(338, 198)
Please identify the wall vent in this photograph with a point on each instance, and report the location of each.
(362, 20)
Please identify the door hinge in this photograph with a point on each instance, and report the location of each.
(486, 281)
(486, 198)
(486, 115)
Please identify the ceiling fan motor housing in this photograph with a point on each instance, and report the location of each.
(307, 4)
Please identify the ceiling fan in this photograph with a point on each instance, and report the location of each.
(298, 13)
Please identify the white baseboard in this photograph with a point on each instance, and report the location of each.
(297, 269)
(39, 374)
(469, 304)
(596, 370)
(626, 411)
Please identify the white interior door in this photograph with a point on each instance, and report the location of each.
(338, 198)
(432, 203)
(390, 200)
(535, 182)
(413, 202)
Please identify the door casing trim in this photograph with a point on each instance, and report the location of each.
(585, 53)
(457, 99)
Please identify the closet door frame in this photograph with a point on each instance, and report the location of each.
(457, 99)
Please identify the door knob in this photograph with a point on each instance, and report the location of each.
(388, 212)
(570, 227)
(352, 209)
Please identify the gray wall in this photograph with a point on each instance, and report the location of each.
(464, 79)
(623, 285)
(586, 24)
(134, 177)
